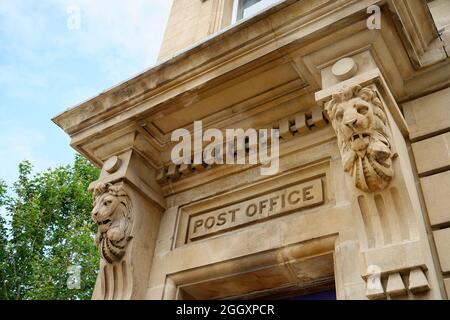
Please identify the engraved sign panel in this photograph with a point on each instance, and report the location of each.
(263, 207)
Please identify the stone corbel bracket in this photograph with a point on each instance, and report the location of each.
(389, 210)
(128, 205)
(113, 214)
(121, 168)
(356, 108)
(373, 78)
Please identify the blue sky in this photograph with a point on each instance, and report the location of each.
(49, 62)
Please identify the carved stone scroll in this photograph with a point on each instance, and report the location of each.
(364, 140)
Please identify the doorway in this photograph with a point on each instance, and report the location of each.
(279, 274)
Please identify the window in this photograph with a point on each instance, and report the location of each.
(246, 8)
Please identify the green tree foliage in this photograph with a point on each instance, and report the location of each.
(47, 229)
(3, 246)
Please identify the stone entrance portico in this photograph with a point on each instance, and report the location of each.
(346, 209)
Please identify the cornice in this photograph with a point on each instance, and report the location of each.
(279, 33)
(217, 55)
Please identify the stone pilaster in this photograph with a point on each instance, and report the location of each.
(127, 208)
(371, 136)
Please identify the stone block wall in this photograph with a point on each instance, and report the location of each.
(428, 118)
(192, 21)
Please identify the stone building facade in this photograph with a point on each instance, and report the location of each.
(360, 93)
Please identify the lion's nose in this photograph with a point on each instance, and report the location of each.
(351, 123)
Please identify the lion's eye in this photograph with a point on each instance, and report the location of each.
(362, 109)
(339, 115)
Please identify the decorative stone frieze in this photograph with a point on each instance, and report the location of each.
(299, 124)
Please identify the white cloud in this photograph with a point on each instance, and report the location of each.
(18, 78)
(123, 37)
(118, 37)
(18, 144)
(119, 32)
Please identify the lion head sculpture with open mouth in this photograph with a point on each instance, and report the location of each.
(364, 141)
(112, 213)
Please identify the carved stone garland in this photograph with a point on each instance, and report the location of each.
(364, 141)
(112, 213)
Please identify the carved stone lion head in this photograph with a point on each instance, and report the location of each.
(363, 136)
(112, 213)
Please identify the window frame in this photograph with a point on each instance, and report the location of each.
(238, 9)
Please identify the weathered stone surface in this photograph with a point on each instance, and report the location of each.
(433, 154)
(192, 21)
(276, 203)
(418, 282)
(363, 136)
(395, 286)
(112, 213)
(343, 205)
(436, 191)
(344, 69)
(428, 115)
(447, 287)
(442, 240)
